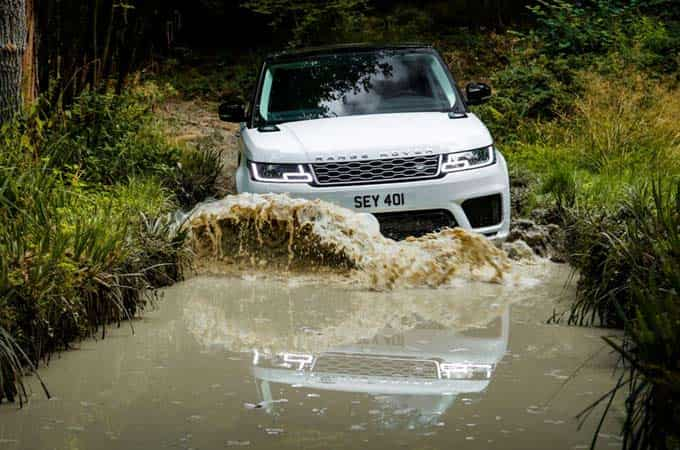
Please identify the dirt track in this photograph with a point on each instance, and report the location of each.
(195, 122)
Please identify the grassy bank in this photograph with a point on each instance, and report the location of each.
(85, 200)
(592, 123)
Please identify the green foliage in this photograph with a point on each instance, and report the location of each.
(654, 348)
(105, 137)
(606, 26)
(578, 27)
(310, 21)
(77, 255)
(600, 300)
(197, 176)
(542, 76)
(638, 275)
(527, 89)
(561, 184)
(618, 133)
(589, 104)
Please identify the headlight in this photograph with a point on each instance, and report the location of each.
(471, 159)
(281, 173)
(296, 359)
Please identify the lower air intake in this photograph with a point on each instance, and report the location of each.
(483, 211)
(400, 225)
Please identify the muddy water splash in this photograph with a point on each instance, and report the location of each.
(274, 229)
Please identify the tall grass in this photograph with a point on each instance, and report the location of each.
(612, 168)
(623, 133)
(620, 130)
(647, 304)
(625, 121)
(595, 129)
(82, 244)
(13, 364)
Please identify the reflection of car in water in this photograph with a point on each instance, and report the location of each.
(418, 372)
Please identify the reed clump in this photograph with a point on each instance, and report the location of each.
(634, 283)
(85, 230)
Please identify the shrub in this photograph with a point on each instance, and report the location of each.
(312, 22)
(578, 27)
(528, 89)
(652, 46)
(603, 27)
(71, 262)
(106, 137)
(196, 178)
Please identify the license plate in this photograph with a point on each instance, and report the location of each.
(326, 379)
(372, 201)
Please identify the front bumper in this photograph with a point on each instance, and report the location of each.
(446, 193)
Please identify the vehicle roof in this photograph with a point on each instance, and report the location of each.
(341, 48)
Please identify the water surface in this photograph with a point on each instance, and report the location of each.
(267, 363)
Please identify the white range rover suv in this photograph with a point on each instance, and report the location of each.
(377, 129)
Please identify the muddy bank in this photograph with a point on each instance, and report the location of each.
(195, 124)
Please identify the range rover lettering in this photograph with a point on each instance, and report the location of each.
(381, 130)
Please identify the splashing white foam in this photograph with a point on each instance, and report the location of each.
(275, 228)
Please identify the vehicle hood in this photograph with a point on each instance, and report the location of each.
(366, 137)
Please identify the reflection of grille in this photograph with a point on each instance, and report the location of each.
(377, 170)
(398, 225)
(375, 366)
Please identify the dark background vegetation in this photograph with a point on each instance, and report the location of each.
(586, 110)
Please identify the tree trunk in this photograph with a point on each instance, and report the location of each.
(43, 8)
(30, 59)
(12, 48)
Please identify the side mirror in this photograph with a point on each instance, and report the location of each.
(477, 93)
(232, 112)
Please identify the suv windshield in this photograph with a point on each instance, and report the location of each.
(355, 84)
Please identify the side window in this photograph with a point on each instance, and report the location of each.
(443, 80)
(265, 95)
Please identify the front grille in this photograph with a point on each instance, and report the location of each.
(377, 170)
(375, 366)
(483, 211)
(399, 225)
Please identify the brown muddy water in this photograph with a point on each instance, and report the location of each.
(293, 362)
